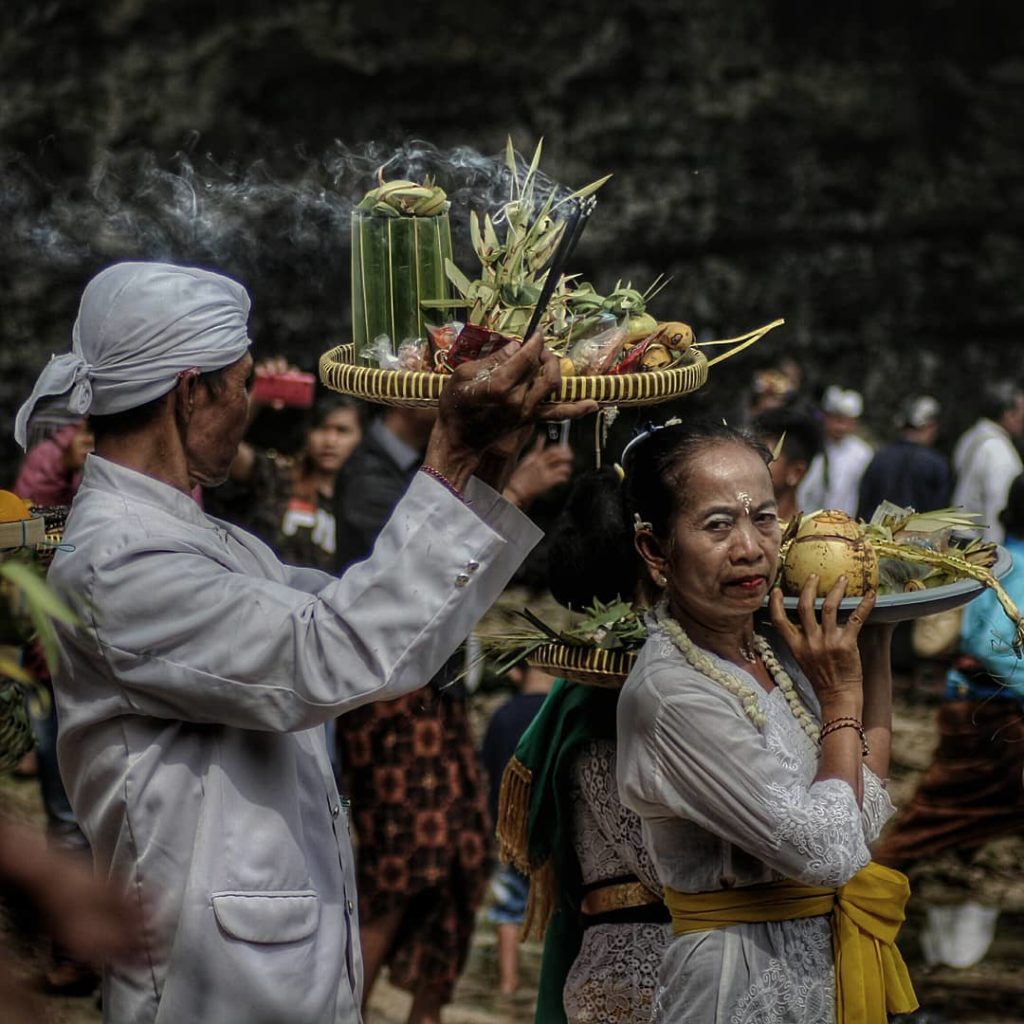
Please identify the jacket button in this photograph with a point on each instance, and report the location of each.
(472, 566)
(461, 580)
(350, 906)
(335, 811)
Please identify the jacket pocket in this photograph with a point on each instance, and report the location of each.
(267, 917)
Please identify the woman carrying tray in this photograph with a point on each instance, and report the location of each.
(594, 890)
(755, 761)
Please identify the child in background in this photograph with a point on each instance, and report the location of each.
(509, 887)
(308, 527)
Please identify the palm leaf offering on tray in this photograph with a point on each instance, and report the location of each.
(599, 648)
(417, 315)
(401, 241)
(899, 551)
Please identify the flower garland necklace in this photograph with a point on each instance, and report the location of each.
(746, 694)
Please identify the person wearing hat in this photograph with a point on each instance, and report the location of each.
(909, 472)
(986, 459)
(192, 697)
(834, 475)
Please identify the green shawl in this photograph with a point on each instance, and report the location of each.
(535, 825)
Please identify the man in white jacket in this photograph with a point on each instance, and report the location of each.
(191, 700)
(833, 478)
(985, 459)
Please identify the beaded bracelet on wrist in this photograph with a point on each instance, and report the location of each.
(846, 723)
(444, 482)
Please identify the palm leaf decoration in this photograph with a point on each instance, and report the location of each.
(615, 626)
(28, 610)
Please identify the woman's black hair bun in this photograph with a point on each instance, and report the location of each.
(591, 554)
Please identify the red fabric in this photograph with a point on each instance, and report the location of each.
(42, 478)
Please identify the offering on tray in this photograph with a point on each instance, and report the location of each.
(898, 551)
(21, 525)
(911, 558)
(405, 283)
(417, 315)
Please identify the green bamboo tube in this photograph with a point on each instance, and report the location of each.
(397, 263)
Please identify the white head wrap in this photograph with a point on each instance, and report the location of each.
(841, 402)
(139, 325)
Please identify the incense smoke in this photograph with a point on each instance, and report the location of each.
(243, 220)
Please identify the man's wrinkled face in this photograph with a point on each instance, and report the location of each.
(217, 425)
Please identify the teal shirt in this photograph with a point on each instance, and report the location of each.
(986, 634)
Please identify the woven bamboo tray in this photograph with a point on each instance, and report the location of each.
(339, 371)
(589, 665)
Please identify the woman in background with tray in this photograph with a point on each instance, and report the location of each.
(594, 892)
(755, 762)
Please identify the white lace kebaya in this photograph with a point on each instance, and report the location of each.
(614, 978)
(723, 780)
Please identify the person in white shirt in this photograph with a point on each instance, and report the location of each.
(985, 458)
(833, 479)
(191, 700)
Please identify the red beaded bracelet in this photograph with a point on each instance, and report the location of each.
(444, 482)
(846, 722)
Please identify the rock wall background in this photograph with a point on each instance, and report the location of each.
(856, 168)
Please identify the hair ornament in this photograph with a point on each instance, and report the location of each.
(777, 450)
(652, 428)
(639, 525)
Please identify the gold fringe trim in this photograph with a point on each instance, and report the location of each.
(513, 825)
(513, 832)
(540, 904)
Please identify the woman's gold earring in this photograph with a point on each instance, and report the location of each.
(661, 579)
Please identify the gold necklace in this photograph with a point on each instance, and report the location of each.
(747, 695)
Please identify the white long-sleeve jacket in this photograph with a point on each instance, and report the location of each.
(189, 708)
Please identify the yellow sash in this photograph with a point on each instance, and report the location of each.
(871, 977)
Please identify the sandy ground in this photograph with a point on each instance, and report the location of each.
(991, 993)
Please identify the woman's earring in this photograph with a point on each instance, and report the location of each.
(661, 579)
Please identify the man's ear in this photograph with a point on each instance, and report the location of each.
(184, 396)
(650, 550)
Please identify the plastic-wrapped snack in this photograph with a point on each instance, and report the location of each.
(649, 354)
(440, 339)
(413, 355)
(473, 342)
(378, 353)
(597, 354)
